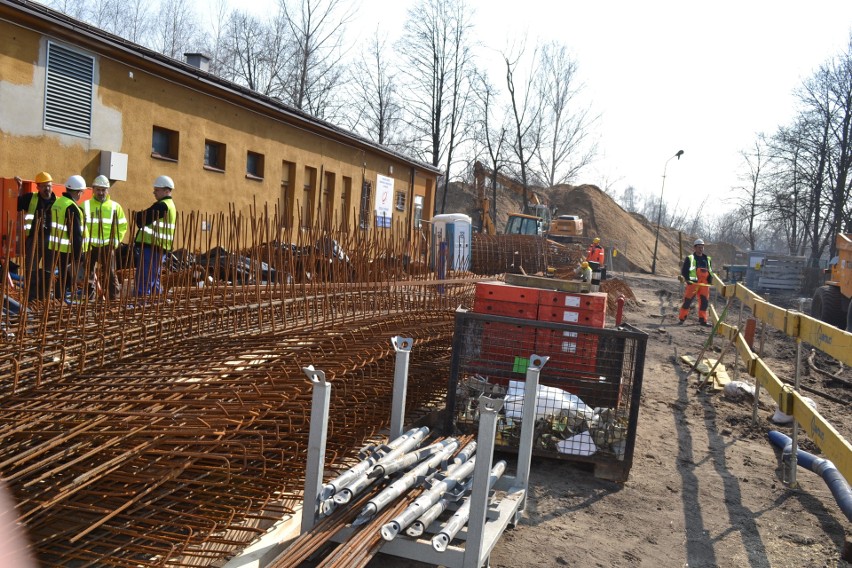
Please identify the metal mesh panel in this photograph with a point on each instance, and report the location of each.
(588, 400)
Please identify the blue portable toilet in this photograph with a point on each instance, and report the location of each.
(453, 229)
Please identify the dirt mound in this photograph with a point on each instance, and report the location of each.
(631, 235)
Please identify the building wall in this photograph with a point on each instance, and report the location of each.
(130, 99)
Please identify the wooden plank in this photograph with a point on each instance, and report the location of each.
(548, 283)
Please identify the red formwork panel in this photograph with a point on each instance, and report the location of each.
(595, 301)
(502, 292)
(510, 309)
(508, 347)
(568, 350)
(572, 316)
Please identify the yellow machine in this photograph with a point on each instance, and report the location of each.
(831, 302)
(538, 220)
(567, 229)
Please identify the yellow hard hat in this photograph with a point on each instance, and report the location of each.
(43, 177)
(585, 264)
(597, 240)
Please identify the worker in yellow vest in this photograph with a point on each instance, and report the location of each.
(155, 237)
(697, 272)
(36, 210)
(68, 237)
(107, 225)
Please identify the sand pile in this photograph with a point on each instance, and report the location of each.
(631, 235)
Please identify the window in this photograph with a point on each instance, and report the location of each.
(164, 144)
(254, 166)
(366, 197)
(288, 194)
(214, 155)
(400, 200)
(68, 91)
(308, 197)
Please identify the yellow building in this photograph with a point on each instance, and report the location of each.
(75, 99)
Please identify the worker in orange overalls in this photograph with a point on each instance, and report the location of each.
(697, 272)
(596, 252)
(595, 255)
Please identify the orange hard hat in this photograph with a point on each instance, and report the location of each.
(43, 177)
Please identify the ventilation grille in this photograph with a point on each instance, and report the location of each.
(68, 91)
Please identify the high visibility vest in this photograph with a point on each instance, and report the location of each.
(693, 274)
(60, 237)
(99, 216)
(30, 215)
(160, 233)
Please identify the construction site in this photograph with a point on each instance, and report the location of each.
(181, 429)
(291, 359)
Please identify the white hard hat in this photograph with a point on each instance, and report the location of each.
(101, 181)
(164, 181)
(75, 183)
(698, 242)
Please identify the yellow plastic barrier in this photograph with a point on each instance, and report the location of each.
(796, 325)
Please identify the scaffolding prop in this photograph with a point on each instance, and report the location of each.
(487, 518)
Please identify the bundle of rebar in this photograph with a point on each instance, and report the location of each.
(520, 254)
(171, 430)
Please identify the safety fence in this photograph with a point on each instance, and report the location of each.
(803, 329)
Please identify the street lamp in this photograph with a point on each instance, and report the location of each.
(660, 212)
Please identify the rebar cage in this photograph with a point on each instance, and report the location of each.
(587, 405)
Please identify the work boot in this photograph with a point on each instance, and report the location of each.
(680, 322)
(703, 323)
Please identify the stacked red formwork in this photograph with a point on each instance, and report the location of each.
(508, 345)
(574, 355)
(568, 349)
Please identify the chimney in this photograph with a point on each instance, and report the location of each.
(198, 60)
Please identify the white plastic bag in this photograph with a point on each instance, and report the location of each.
(550, 401)
(781, 418)
(578, 445)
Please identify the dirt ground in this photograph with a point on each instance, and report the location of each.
(704, 489)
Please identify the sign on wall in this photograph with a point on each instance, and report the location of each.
(384, 201)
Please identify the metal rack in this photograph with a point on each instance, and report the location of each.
(484, 528)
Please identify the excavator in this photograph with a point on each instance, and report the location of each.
(539, 221)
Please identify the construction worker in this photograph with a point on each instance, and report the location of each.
(596, 256)
(155, 237)
(697, 272)
(595, 252)
(107, 225)
(68, 236)
(36, 208)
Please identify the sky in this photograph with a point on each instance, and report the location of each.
(665, 76)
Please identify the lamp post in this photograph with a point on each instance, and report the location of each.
(660, 212)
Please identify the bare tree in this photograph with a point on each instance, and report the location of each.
(220, 15)
(491, 133)
(77, 9)
(629, 200)
(249, 53)
(437, 53)
(564, 147)
(176, 28)
(314, 71)
(376, 99)
(750, 202)
(525, 115)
